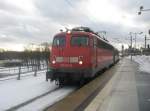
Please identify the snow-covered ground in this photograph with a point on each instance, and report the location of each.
(144, 62)
(14, 92)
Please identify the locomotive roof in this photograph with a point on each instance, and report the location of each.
(84, 33)
(74, 32)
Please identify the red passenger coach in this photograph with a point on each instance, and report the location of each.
(78, 54)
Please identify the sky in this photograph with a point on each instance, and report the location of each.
(24, 22)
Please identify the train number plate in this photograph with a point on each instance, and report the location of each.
(65, 65)
(66, 59)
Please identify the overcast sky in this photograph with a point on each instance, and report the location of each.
(34, 21)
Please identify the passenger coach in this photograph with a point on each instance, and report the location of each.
(78, 54)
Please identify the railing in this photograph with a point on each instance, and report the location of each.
(22, 70)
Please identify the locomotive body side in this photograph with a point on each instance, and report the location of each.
(102, 54)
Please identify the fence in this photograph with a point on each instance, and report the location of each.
(23, 70)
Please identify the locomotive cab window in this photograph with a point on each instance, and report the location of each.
(59, 41)
(79, 41)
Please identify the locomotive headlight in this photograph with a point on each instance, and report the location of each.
(80, 62)
(53, 62)
(68, 31)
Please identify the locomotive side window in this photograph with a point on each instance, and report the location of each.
(59, 41)
(95, 42)
(91, 42)
(79, 41)
(104, 45)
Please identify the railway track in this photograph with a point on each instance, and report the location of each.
(27, 105)
(31, 100)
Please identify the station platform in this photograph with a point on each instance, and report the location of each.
(127, 90)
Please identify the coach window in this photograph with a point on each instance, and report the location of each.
(59, 41)
(79, 41)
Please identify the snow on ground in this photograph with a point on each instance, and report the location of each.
(144, 62)
(14, 92)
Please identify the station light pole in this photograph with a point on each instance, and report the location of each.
(142, 9)
(139, 13)
(131, 39)
(131, 45)
(146, 41)
(135, 34)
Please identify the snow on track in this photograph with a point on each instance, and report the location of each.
(42, 103)
(14, 92)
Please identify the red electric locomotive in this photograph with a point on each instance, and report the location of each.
(78, 54)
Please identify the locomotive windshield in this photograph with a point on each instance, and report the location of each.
(79, 41)
(59, 41)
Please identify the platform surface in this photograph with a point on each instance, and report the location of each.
(128, 90)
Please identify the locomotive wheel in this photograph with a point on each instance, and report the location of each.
(62, 82)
